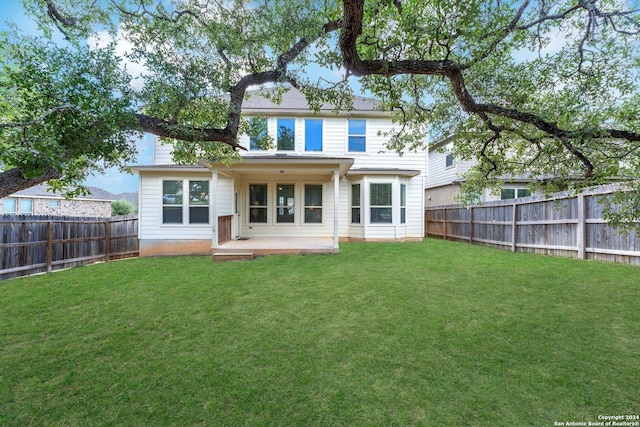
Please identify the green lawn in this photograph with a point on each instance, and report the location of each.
(429, 334)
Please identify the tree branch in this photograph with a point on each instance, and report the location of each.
(13, 180)
(352, 28)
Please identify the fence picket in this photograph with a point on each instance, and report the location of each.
(34, 244)
(569, 225)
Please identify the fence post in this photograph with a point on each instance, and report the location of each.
(444, 223)
(107, 239)
(470, 224)
(426, 222)
(581, 231)
(514, 225)
(49, 245)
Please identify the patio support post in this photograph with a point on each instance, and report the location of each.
(336, 207)
(213, 202)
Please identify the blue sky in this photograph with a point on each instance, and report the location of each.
(114, 180)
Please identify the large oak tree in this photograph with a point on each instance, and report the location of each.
(543, 88)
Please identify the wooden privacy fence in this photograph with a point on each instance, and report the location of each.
(36, 244)
(570, 226)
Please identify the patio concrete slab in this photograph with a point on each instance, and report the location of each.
(269, 246)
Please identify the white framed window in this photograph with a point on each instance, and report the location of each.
(258, 131)
(286, 135)
(313, 134)
(514, 193)
(198, 202)
(381, 203)
(357, 135)
(54, 203)
(355, 204)
(449, 161)
(258, 203)
(173, 203)
(313, 203)
(10, 205)
(403, 203)
(26, 206)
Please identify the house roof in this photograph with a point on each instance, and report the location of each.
(294, 102)
(42, 191)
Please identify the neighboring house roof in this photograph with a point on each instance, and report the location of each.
(442, 141)
(41, 191)
(295, 101)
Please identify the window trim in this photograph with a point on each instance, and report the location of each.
(321, 121)
(199, 206)
(185, 205)
(356, 206)
(449, 161)
(320, 208)
(15, 205)
(252, 142)
(389, 207)
(22, 211)
(293, 120)
(362, 135)
(250, 206)
(403, 203)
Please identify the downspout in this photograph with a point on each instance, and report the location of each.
(336, 208)
(214, 209)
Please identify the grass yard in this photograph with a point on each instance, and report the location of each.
(425, 334)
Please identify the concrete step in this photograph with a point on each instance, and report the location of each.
(232, 256)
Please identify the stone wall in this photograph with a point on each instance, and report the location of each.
(70, 207)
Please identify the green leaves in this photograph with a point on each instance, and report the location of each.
(66, 108)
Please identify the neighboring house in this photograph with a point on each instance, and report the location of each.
(445, 174)
(37, 200)
(327, 178)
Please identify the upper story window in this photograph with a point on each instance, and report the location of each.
(257, 132)
(286, 134)
(313, 135)
(357, 135)
(448, 162)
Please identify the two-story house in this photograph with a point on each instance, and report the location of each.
(445, 175)
(327, 179)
